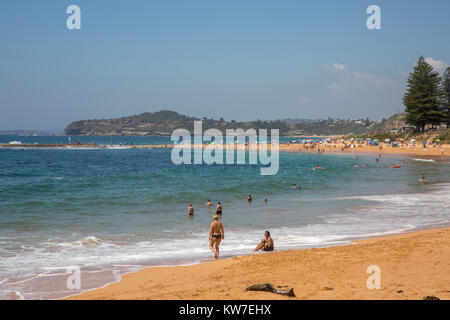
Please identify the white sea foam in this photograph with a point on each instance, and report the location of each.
(425, 160)
(117, 147)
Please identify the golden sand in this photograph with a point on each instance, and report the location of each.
(383, 149)
(339, 148)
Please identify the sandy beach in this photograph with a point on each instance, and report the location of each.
(432, 151)
(383, 149)
(413, 266)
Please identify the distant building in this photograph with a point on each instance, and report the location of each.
(403, 129)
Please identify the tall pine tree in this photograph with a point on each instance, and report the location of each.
(422, 96)
(446, 96)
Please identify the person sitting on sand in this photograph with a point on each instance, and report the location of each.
(209, 203)
(219, 208)
(266, 243)
(216, 234)
(190, 210)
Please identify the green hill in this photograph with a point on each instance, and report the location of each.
(160, 123)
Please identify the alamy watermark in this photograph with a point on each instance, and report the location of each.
(374, 280)
(74, 275)
(73, 21)
(208, 147)
(374, 20)
(73, 281)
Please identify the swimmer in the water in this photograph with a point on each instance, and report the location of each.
(190, 210)
(320, 168)
(219, 208)
(422, 177)
(209, 203)
(265, 200)
(249, 198)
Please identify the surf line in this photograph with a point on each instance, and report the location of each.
(208, 147)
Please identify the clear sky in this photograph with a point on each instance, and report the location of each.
(236, 59)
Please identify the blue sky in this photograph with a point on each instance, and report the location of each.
(239, 60)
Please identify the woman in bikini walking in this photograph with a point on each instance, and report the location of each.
(216, 234)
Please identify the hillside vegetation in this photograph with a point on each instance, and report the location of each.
(161, 123)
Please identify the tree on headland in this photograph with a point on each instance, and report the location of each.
(446, 96)
(422, 97)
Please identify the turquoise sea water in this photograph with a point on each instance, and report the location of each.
(111, 211)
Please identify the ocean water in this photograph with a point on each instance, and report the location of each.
(113, 211)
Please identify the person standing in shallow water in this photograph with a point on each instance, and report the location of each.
(216, 234)
(219, 208)
(190, 210)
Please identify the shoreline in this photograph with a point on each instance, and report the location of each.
(332, 267)
(333, 148)
(352, 152)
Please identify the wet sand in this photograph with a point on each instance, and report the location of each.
(413, 265)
